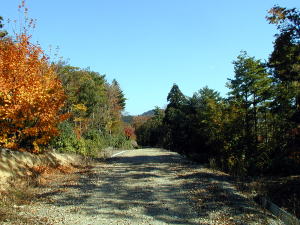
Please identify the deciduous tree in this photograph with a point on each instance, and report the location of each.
(31, 95)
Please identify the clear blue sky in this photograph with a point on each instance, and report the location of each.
(148, 45)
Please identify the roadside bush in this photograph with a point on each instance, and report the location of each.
(67, 140)
(120, 141)
(90, 144)
(236, 166)
(95, 141)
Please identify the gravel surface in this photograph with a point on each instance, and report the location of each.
(145, 186)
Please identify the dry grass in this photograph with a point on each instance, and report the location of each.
(283, 191)
(11, 203)
(26, 190)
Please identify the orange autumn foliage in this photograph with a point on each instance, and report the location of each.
(31, 96)
(129, 132)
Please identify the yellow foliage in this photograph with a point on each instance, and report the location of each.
(80, 107)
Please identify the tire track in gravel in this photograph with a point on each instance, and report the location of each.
(148, 186)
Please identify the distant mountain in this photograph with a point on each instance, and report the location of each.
(129, 118)
(149, 113)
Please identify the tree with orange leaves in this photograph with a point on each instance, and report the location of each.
(31, 95)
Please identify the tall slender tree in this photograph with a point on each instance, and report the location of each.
(285, 64)
(250, 90)
(174, 120)
(204, 116)
(285, 58)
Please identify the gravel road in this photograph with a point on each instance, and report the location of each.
(145, 186)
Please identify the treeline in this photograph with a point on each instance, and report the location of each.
(46, 105)
(94, 107)
(256, 129)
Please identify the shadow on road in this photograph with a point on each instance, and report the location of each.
(157, 187)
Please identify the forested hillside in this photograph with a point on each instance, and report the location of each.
(52, 105)
(255, 129)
